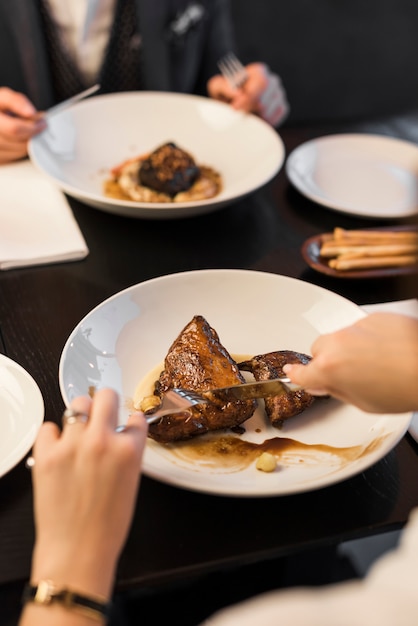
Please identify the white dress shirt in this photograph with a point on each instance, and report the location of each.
(84, 26)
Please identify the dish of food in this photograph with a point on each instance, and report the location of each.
(369, 253)
(22, 411)
(83, 143)
(369, 176)
(168, 174)
(124, 340)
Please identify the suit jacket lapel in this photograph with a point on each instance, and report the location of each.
(24, 23)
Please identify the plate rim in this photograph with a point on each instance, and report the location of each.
(37, 418)
(328, 480)
(294, 177)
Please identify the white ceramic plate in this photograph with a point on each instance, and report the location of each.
(119, 342)
(21, 413)
(370, 176)
(85, 141)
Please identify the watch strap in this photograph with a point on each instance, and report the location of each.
(46, 593)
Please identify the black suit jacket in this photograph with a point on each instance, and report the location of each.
(180, 63)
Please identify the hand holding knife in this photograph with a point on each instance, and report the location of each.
(20, 121)
(37, 115)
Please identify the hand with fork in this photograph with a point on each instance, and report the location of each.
(252, 88)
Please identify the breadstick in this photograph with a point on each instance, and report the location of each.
(371, 241)
(330, 249)
(341, 234)
(372, 262)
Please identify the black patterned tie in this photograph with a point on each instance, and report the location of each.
(66, 78)
(121, 68)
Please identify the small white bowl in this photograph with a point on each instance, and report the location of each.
(83, 142)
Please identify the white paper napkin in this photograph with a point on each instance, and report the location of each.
(37, 225)
(407, 307)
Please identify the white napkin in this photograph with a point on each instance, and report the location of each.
(406, 307)
(37, 225)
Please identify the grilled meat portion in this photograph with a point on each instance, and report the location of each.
(198, 361)
(270, 365)
(168, 169)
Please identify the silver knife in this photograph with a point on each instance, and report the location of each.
(257, 389)
(57, 108)
(70, 101)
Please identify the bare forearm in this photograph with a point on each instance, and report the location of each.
(85, 478)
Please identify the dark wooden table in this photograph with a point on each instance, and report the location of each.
(177, 533)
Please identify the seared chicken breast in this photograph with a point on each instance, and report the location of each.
(198, 361)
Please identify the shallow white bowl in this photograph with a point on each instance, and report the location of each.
(84, 142)
(123, 339)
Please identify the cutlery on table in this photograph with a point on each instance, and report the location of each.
(233, 70)
(180, 400)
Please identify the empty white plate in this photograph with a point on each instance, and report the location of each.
(371, 176)
(21, 413)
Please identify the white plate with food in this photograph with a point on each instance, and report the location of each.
(371, 176)
(123, 342)
(21, 410)
(85, 145)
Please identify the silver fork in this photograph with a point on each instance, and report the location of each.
(175, 401)
(233, 70)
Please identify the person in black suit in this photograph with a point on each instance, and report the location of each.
(50, 50)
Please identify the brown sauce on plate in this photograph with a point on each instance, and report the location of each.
(235, 454)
